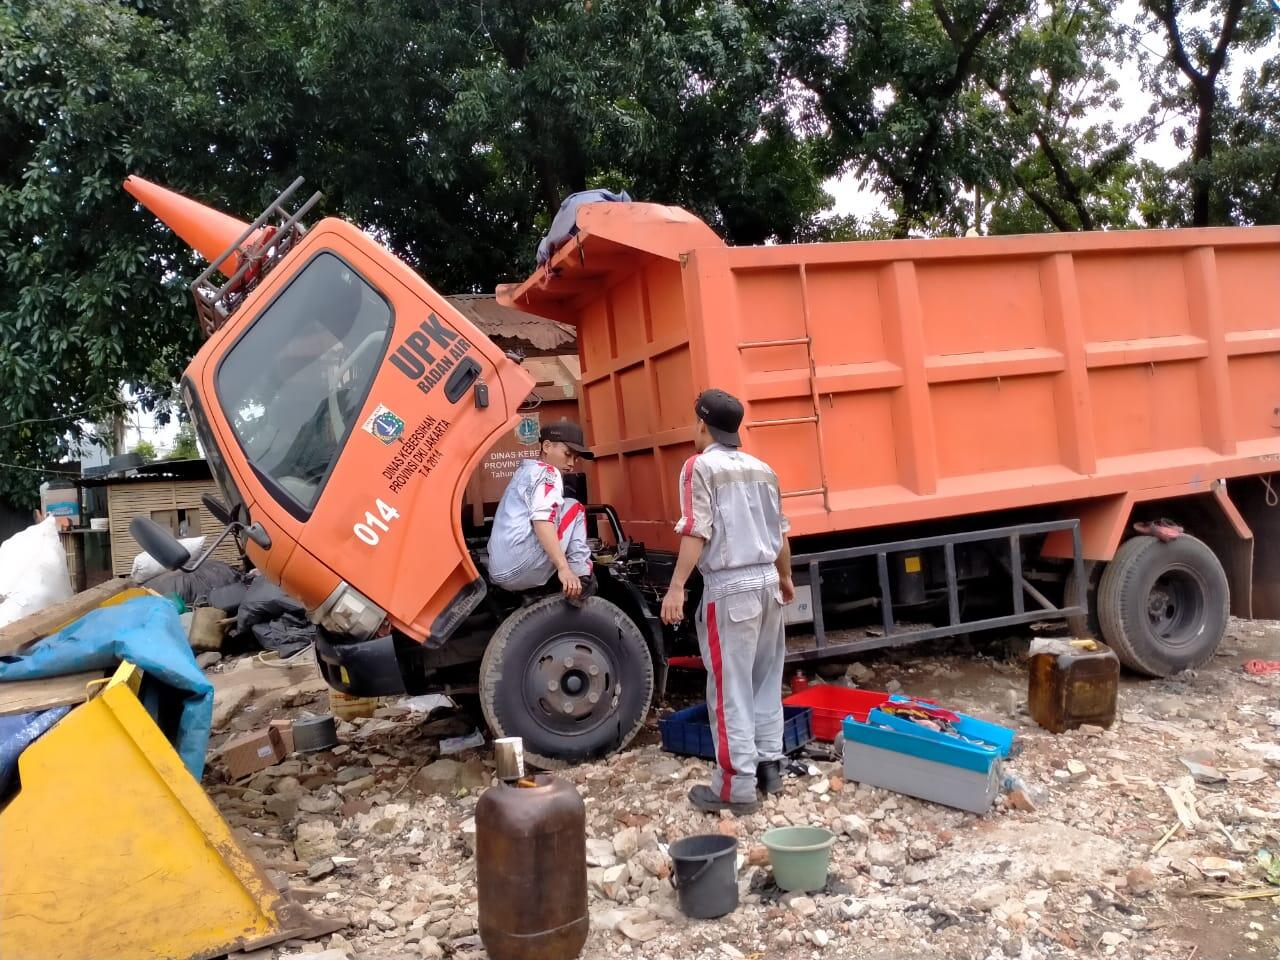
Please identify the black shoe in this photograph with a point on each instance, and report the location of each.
(705, 799)
(769, 776)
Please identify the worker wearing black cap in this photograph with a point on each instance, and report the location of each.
(733, 530)
(538, 533)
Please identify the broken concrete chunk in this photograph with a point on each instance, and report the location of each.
(315, 840)
(1203, 772)
(440, 776)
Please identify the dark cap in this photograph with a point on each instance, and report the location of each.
(568, 433)
(722, 413)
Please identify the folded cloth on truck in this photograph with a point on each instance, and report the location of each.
(565, 224)
(145, 631)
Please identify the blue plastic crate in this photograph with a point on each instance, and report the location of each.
(688, 731)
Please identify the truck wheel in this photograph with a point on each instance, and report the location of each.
(574, 683)
(1163, 606)
(1087, 625)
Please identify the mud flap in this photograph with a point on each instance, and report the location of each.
(1258, 500)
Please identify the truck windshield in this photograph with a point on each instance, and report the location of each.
(295, 381)
(212, 455)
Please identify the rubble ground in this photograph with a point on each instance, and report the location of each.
(1139, 841)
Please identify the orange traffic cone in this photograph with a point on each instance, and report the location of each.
(209, 232)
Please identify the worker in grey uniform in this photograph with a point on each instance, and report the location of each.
(733, 530)
(538, 533)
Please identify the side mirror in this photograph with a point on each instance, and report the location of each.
(258, 535)
(159, 542)
(221, 512)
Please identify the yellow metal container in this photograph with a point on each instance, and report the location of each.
(112, 849)
(346, 707)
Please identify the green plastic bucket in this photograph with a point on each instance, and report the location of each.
(800, 857)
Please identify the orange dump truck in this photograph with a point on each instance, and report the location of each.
(970, 434)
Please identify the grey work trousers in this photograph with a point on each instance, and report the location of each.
(532, 566)
(743, 646)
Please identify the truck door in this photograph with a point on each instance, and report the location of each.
(361, 402)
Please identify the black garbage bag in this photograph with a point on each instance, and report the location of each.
(265, 602)
(285, 635)
(277, 621)
(228, 597)
(194, 588)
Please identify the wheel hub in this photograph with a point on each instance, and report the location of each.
(572, 680)
(1175, 603)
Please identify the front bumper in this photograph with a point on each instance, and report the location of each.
(362, 668)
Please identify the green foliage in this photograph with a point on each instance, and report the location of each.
(184, 445)
(453, 129)
(88, 290)
(1226, 143)
(146, 450)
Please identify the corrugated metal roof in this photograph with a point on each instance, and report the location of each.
(500, 323)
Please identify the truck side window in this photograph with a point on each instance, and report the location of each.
(293, 384)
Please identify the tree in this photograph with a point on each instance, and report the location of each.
(1074, 168)
(88, 290)
(451, 130)
(184, 445)
(146, 450)
(1200, 36)
(895, 92)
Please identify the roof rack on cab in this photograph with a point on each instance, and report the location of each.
(242, 252)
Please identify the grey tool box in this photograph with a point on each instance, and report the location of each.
(924, 779)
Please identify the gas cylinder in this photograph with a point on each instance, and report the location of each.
(531, 869)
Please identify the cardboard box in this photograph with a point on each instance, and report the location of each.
(285, 729)
(251, 752)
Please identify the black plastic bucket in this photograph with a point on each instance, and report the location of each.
(705, 875)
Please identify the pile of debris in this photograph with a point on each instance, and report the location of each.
(1145, 840)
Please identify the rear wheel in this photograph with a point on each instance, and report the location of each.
(1085, 625)
(575, 683)
(1163, 607)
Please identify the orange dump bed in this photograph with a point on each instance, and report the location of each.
(907, 380)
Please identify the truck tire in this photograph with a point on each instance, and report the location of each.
(574, 682)
(1087, 625)
(1163, 606)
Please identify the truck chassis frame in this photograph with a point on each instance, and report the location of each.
(894, 634)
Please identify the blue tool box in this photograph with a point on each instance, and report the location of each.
(961, 769)
(688, 732)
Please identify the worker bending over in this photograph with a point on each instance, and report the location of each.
(733, 530)
(537, 533)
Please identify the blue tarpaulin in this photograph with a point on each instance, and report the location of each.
(17, 733)
(145, 631)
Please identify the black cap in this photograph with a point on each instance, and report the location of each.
(722, 413)
(568, 433)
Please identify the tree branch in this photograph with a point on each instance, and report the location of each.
(1167, 13)
(1045, 207)
(1229, 21)
(949, 25)
(1061, 175)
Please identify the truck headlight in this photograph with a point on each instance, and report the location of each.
(348, 611)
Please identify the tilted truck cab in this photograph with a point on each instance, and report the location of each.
(344, 406)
